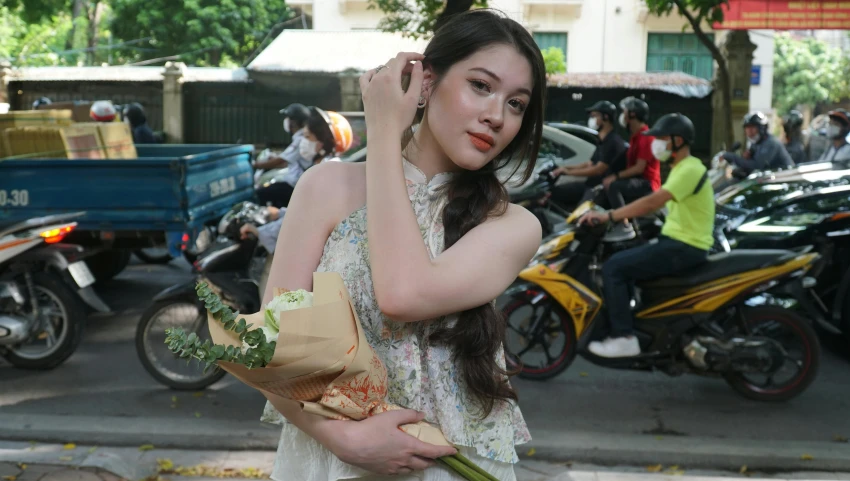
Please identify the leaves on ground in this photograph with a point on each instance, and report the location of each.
(70, 446)
(674, 471)
(198, 394)
(66, 458)
(166, 467)
(743, 469)
(655, 469)
(10, 478)
(92, 449)
(197, 414)
(807, 457)
(22, 466)
(839, 439)
(531, 452)
(146, 447)
(583, 374)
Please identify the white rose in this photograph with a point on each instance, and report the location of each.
(288, 301)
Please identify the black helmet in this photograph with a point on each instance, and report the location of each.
(637, 107)
(794, 119)
(840, 115)
(604, 107)
(756, 119)
(674, 124)
(41, 101)
(297, 112)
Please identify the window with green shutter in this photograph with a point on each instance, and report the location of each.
(679, 52)
(552, 39)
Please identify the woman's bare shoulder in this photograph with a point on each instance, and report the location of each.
(517, 228)
(339, 183)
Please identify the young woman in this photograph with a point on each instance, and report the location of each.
(425, 239)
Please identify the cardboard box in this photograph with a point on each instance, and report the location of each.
(82, 141)
(117, 140)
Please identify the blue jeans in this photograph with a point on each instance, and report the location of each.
(665, 258)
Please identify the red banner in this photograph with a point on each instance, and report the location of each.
(785, 15)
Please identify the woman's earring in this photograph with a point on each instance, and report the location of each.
(422, 102)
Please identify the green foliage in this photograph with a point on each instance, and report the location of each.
(36, 11)
(202, 32)
(553, 57)
(415, 18)
(807, 72)
(189, 347)
(34, 45)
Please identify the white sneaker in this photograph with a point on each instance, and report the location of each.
(620, 233)
(616, 347)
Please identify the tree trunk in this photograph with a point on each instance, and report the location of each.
(95, 15)
(723, 68)
(76, 11)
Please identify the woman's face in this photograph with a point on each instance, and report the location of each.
(478, 106)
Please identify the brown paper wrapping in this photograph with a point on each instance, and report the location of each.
(322, 360)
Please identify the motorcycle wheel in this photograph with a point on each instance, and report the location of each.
(66, 320)
(554, 338)
(107, 264)
(158, 361)
(153, 255)
(802, 348)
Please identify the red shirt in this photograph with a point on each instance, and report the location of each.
(640, 147)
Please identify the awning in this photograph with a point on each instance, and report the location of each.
(676, 83)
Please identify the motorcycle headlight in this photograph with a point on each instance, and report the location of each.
(782, 224)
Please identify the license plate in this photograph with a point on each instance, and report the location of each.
(81, 274)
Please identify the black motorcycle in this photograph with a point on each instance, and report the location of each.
(232, 267)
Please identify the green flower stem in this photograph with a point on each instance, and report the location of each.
(460, 468)
(475, 467)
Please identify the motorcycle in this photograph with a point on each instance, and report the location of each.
(720, 173)
(694, 323)
(42, 284)
(232, 267)
(537, 198)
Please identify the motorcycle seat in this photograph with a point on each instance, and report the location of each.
(721, 265)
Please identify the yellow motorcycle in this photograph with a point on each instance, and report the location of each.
(699, 322)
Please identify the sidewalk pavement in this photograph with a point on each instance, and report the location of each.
(54, 462)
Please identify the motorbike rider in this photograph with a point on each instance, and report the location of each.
(685, 239)
(837, 131)
(764, 151)
(642, 175)
(326, 135)
(608, 158)
(134, 114)
(41, 101)
(793, 127)
(294, 123)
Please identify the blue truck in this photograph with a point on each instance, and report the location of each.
(167, 197)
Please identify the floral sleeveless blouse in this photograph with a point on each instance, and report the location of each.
(422, 375)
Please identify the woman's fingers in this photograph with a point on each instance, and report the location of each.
(418, 463)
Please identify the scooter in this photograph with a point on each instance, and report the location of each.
(232, 267)
(695, 323)
(43, 285)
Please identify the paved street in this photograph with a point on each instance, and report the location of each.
(103, 396)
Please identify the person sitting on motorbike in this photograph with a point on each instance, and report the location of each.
(326, 135)
(266, 234)
(642, 175)
(294, 123)
(837, 131)
(134, 114)
(764, 151)
(608, 158)
(685, 239)
(794, 136)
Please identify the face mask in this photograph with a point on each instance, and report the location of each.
(286, 125)
(753, 140)
(660, 150)
(592, 123)
(308, 149)
(833, 131)
(623, 120)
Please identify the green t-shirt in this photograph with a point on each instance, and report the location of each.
(690, 217)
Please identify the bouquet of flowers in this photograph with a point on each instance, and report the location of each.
(309, 348)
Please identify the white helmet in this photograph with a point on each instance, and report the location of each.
(103, 111)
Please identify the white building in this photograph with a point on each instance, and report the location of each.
(596, 35)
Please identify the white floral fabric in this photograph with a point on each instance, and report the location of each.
(422, 375)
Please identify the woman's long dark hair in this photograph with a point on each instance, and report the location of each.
(317, 123)
(475, 196)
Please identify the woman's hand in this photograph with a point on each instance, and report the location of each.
(248, 229)
(377, 444)
(386, 105)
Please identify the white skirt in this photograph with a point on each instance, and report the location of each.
(302, 458)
